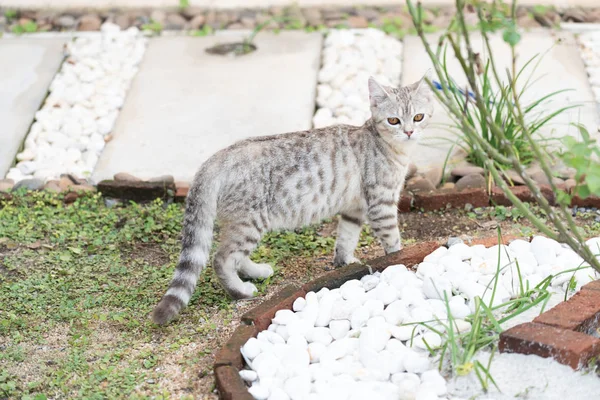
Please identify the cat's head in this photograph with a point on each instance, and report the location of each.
(401, 114)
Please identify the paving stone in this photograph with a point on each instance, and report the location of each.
(27, 68)
(184, 104)
(561, 68)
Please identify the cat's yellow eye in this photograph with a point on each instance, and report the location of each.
(393, 121)
(418, 117)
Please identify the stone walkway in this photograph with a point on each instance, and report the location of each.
(184, 104)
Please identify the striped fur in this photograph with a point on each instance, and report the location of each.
(294, 179)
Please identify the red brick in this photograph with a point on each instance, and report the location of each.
(136, 191)
(451, 199)
(181, 191)
(261, 315)
(594, 285)
(523, 193)
(405, 203)
(580, 313)
(230, 354)
(591, 201)
(229, 384)
(571, 348)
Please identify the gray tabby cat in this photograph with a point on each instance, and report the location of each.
(291, 180)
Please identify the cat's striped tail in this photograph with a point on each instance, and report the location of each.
(200, 214)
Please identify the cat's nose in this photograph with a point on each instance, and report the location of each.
(408, 133)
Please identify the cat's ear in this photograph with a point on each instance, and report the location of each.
(421, 86)
(377, 93)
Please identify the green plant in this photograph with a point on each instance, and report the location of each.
(582, 155)
(204, 31)
(26, 27)
(498, 105)
(10, 14)
(561, 224)
(153, 26)
(183, 4)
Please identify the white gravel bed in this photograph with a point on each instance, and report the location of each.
(364, 341)
(590, 53)
(349, 58)
(72, 127)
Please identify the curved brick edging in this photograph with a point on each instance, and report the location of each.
(229, 361)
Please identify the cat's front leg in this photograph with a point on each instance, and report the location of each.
(349, 228)
(383, 218)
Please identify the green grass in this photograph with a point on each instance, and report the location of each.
(81, 280)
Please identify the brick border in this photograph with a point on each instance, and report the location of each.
(563, 332)
(228, 360)
(426, 201)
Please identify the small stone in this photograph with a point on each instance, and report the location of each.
(248, 375)
(175, 22)
(158, 16)
(122, 21)
(90, 22)
(197, 21)
(570, 185)
(412, 171)
(419, 184)
(472, 181)
(453, 240)
(53, 186)
(467, 170)
(313, 16)
(30, 184)
(6, 185)
(125, 177)
(566, 173)
(434, 174)
(448, 186)
(165, 178)
(540, 178)
(513, 177)
(65, 21)
(358, 22)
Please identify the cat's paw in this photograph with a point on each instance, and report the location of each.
(248, 291)
(263, 271)
(341, 262)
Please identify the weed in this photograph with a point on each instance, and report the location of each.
(26, 27)
(206, 30)
(153, 27)
(10, 14)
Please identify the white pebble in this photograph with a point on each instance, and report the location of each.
(339, 329)
(248, 375)
(299, 304)
(251, 348)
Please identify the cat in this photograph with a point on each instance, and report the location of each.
(291, 180)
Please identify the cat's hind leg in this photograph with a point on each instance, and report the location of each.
(349, 227)
(250, 269)
(238, 240)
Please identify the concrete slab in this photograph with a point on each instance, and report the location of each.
(561, 68)
(26, 70)
(184, 105)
